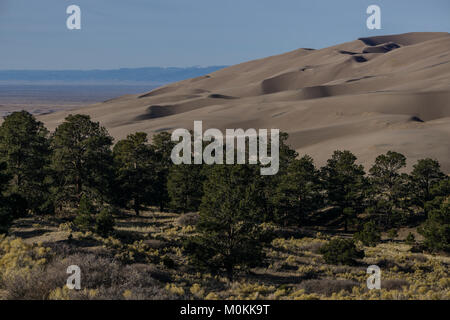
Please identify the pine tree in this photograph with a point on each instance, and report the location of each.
(81, 160)
(185, 187)
(426, 174)
(388, 188)
(162, 146)
(270, 196)
(24, 146)
(436, 229)
(6, 214)
(85, 213)
(298, 193)
(135, 171)
(104, 223)
(229, 235)
(344, 182)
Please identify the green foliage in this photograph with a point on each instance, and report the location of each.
(85, 213)
(6, 215)
(13, 205)
(185, 187)
(344, 182)
(298, 193)
(162, 145)
(229, 235)
(436, 228)
(392, 233)
(426, 174)
(81, 160)
(135, 171)
(410, 239)
(369, 235)
(341, 251)
(388, 188)
(24, 147)
(104, 223)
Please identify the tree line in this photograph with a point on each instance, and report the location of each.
(77, 167)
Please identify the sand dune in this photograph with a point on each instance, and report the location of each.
(369, 96)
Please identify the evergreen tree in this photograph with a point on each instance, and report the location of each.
(410, 239)
(24, 146)
(81, 160)
(85, 213)
(369, 235)
(229, 234)
(162, 147)
(185, 187)
(271, 196)
(104, 223)
(6, 214)
(298, 193)
(388, 188)
(341, 251)
(135, 171)
(436, 229)
(392, 233)
(345, 183)
(426, 174)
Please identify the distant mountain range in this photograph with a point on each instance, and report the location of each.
(153, 75)
(368, 96)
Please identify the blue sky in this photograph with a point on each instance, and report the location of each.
(139, 33)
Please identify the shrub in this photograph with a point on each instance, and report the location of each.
(410, 239)
(369, 235)
(341, 251)
(394, 284)
(392, 234)
(327, 286)
(84, 213)
(188, 219)
(104, 223)
(168, 262)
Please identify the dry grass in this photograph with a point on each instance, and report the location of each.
(144, 259)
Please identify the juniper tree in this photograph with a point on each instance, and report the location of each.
(81, 159)
(24, 147)
(135, 171)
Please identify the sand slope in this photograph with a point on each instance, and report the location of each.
(369, 96)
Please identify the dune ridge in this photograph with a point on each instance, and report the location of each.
(369, 96)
